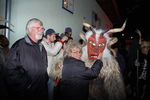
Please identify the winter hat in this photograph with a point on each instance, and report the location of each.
(68, 29)
(50, 31)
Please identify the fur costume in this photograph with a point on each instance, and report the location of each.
(109, 85)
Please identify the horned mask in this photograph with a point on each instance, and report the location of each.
(98, 40)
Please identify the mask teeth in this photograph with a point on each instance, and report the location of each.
(94, 56)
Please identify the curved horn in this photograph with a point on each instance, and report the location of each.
(113, 41)
(83, 38)
(117, 29)
(89, 26)
(140, 35)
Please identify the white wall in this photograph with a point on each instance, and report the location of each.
(2, 8)
(2, 13)
(51, 13)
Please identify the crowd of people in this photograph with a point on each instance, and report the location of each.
(28, 71)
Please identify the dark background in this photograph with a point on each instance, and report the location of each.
(135, 11)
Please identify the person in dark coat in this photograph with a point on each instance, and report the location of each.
(74, 84)
(4, 44)
(26, 65)
(3, 92)
(141, 73)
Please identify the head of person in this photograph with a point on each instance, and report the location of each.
(58, 38)
(4, 42)
(74, 50)
(68, 31)
(35, 29)
(50, 35)
(145, 47)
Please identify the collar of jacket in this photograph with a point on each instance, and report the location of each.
(29, 41)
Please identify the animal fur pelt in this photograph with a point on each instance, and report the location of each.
(109, 85)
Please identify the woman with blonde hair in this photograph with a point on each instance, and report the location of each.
(74, 84)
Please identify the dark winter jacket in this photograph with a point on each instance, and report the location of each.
(26, 70)
(75, 78)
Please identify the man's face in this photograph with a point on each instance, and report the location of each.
(145, 47)
(37, 30)
(51, 37)
(69, 34)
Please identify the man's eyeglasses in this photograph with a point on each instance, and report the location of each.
(39, 28)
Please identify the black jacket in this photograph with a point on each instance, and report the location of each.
(26, 70)
(75, 78)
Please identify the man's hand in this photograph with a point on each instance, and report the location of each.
(65, 38)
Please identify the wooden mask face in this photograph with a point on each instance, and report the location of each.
(95, 47)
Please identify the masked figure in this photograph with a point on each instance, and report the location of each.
(109, 85)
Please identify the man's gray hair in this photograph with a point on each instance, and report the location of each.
(31, 22)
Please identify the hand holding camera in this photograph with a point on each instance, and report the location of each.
(64, 38)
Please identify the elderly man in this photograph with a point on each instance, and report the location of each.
(26, 65)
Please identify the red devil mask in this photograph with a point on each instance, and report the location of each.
(95, 47)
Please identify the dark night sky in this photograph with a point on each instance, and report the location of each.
(136, 11)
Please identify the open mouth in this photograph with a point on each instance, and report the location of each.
(93, 57)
